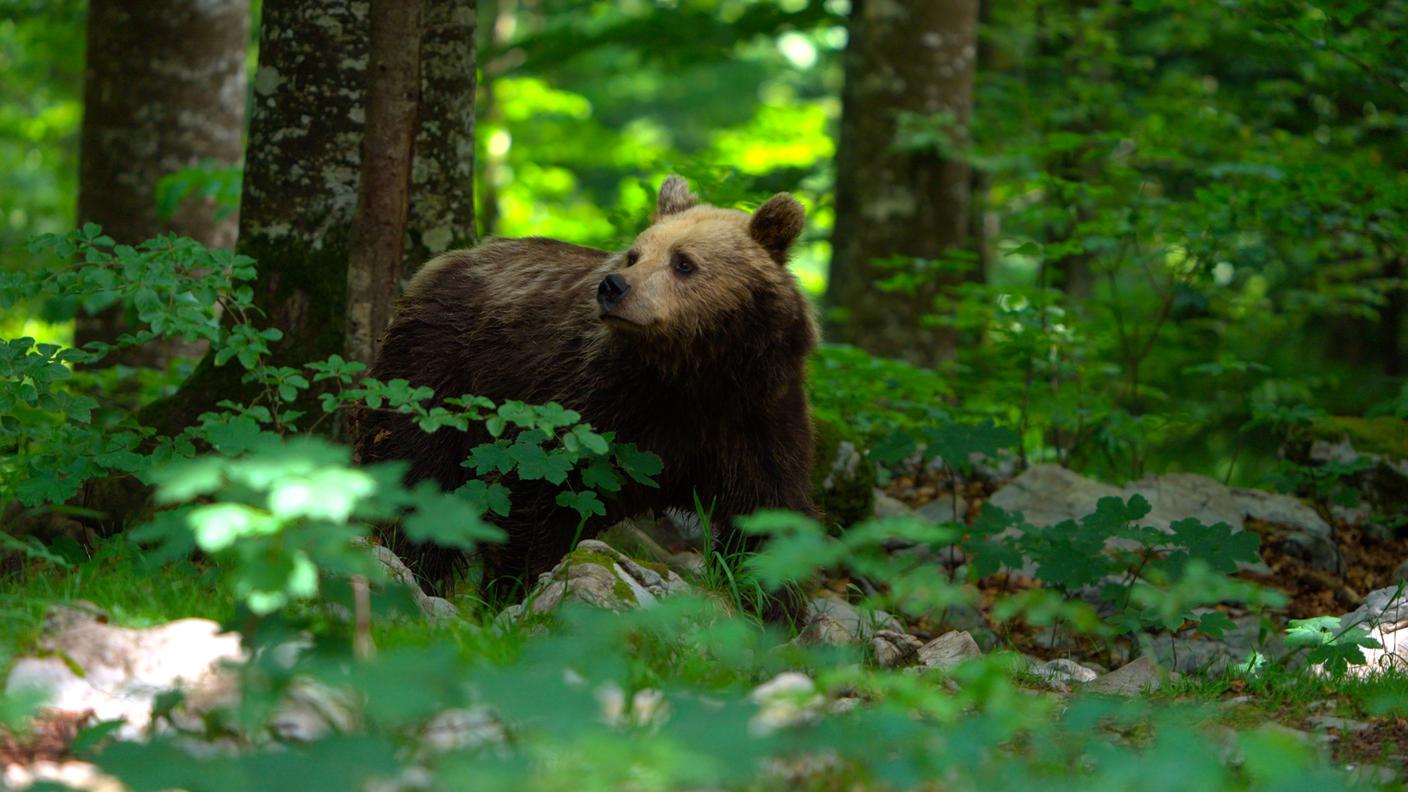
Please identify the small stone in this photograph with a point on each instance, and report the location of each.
(835, 622)
(1060, 673)
(462, 729)
(311, 711)
(785, 700)
(1140, 676)
(895, 649)
(944, 510)
(1400, 574)
(948, 650)
(1341, 725)
(886, 506)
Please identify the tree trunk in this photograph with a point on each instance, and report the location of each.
(302, 168)
(164, 89)
(379, 230)
(442, 205)
(299, 193)
(903, 56)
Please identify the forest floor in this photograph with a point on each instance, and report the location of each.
(1358, 720)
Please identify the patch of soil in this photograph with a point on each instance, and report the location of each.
(48, 740)
(1385, 742)
(1370, 559)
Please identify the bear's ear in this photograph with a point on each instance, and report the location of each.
(674, 197)
(776, 225)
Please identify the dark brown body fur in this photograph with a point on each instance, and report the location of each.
(721, 402)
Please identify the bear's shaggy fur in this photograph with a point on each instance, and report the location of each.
(700, 360)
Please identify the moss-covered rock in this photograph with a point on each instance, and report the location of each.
(1384, 436)
(843, 479)
(1347, 439)
(598, 575)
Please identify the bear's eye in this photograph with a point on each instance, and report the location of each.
(682, 264)
(632, 257)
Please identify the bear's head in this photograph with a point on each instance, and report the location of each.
(698, 270)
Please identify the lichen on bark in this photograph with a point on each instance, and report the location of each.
(903, 56)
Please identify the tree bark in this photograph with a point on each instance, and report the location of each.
(301, 176)
(299, 192)
(914, 56)
(164, 89)
(379, 229)
(442, 204)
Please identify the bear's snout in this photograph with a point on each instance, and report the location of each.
(608, 295)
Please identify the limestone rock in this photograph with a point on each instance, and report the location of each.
(434, 608)
(461, 729)
(895, 649)
(598, 575)
(943, 509)
(886, 506)
(117, 672)
(833, 621)
(1049, 494)
(785, 700)
(1385, 615)
(1141, 676)
(948, 650)
(1205, 655)
(1059, 674)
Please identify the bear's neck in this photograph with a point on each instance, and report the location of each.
(746, 362)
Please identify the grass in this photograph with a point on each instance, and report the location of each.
(117, 579)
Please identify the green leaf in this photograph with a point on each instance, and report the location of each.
(486, 497)
(490, 458)
(447, 520)
(585, 503)
(958, 443)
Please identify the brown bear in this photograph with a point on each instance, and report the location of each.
(691, 343)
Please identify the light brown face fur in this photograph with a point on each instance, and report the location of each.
(697, 262)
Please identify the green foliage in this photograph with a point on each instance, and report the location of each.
(1334, 648)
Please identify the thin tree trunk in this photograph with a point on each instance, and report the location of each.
(379, 229)
(164, 89)
(914, 56)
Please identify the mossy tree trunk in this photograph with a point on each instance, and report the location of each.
(302, 170)
(915, 58)
(164, 89)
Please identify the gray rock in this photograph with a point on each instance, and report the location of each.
(1061, 673)
(1141, 676)
(1205, 655)
(833, 621)
(886, 506)
(1400, 574)
(311, 711)
(118, 672)
(434, 608)
(1341, 725)
(596, 574)
(895, 649)
(1385, 615)
(785, 700)
(1049, 494)
(462, 729)
(948, 650)
(942, 510)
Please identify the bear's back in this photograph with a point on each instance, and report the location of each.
(509, 319)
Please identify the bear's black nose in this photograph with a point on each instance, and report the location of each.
(612, 289)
